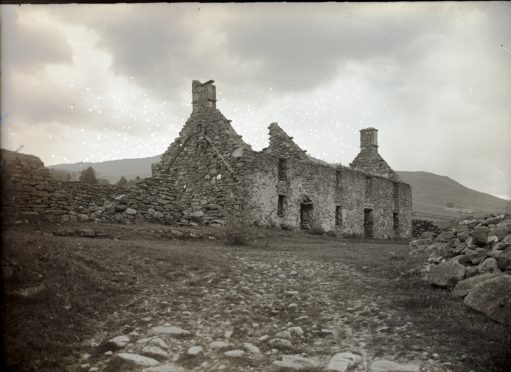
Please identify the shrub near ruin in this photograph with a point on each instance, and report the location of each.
(239, 231)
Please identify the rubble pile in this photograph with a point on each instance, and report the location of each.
(421, 226)
(473, 259)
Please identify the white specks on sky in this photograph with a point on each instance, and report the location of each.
(102, 82)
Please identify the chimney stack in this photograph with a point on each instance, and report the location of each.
(203, 95)
(369, 140)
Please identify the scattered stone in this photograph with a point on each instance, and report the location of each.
(383, 365)
(295, 363)
(284, 334)
(280, 343)
(167, 367)
(263, 338)
(119, 341)
(137, 360)
(194, 350)
(158, 342)
(446, 274)
(155, 352)
(342, 361)
(234, 353)
(251, 348)
(170, 330)
(218, 345)
(493, 298)
(480, 235)
(130, 211)
(296, 331)
(489, 266)
(504, 260)
(465, 286)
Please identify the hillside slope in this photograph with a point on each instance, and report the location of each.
(431, 193)
(113, 170)
(441, 198)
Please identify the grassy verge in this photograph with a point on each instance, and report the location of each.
(79, 283)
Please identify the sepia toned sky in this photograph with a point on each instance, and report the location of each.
(111, 81)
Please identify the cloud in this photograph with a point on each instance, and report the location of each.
(431, 76)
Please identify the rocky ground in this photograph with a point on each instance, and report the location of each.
(289, 302)
(472, 257)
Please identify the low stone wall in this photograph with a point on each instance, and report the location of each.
(29, 193)
(421, 226)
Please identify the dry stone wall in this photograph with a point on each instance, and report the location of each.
(30, 193)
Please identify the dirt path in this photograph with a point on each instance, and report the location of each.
(306, 296)
(289, 302)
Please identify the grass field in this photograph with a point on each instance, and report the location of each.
(347, 295)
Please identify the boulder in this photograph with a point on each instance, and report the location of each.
(502, 230)
(504, 260)
(295, 363)
(194, 350)
(445, 236)
(446, 274)
(342, 361)
(465, 286)
(489, 266)
(438, 249)
(492, 297)
(480, 236)
(119, 342)
(135, 360)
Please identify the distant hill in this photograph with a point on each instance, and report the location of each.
(113, 170)
(440, 198)
(435, 197)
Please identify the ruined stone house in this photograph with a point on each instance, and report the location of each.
(209, 174)
(213, 174)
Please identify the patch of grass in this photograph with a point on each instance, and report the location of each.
(316, 230)
(239, 232)
(85, 281)
(43, 330)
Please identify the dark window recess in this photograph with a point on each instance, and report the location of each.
(396, 190)
(368, 223)
(338, 216)
(338, 179)
(281, 206)
(282, 169)
(395, 219)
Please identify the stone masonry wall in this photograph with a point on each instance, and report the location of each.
(30, 193)
(209, 174)
(330, 189)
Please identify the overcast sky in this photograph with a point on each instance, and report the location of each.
(102, 82)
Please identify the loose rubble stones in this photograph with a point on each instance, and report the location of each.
(476, 251)
(342, 361)
(493, 298)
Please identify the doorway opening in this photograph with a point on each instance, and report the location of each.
(368, 223)
(306, 214)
